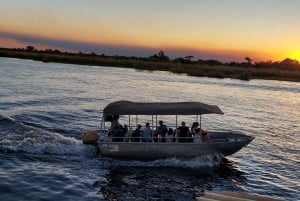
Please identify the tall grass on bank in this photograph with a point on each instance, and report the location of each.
(200, 70)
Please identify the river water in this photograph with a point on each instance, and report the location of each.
(45, 108)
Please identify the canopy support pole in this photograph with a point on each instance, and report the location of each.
(176, 137)
(136, 120)
(128, 121)
(152, 128)
(103, 122)
(200, 123)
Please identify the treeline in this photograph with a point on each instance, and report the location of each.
(286, 64)
(287, 69)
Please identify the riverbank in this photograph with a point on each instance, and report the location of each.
(191, 69)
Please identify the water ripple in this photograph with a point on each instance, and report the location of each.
(45, 108)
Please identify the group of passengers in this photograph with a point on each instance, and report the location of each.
(121, 133)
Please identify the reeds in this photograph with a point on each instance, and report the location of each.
(200, 70)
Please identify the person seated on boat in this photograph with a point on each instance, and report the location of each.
(147, 133)
(197, 138)
(184, 133)
(205, 136)
(161, 132)
(128, 134)
(170, 136)
(137, 134)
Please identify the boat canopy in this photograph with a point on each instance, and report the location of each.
(160, 108)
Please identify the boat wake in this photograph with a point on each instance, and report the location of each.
(207, 161)
(4, 119)
(200, 161)
(18, 137)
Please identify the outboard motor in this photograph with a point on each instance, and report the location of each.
(90, 137)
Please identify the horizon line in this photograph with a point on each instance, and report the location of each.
(21, 40)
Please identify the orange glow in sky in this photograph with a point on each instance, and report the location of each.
(295, 55)
(215, 29)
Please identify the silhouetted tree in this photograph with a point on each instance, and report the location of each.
(200, 61)
(289, 64)
(93, 54)
(189, 57)
(248, 62)
(233, 63)
(263, 64)
(179, 60)
(248, 59)
(30, 48)
(154, 57)
(213, 62)
(160, 56)
(57, 51)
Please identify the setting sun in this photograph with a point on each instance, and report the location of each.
(296, 55)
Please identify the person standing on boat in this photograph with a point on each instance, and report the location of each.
(170, 136)
(116, 129)
(161, 132)
(137, 134)
(194, 128)
(115, 122)
(147, 133)
(184, 133)
(197, 138)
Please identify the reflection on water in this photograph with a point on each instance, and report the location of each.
(169, 183)
(45, 107)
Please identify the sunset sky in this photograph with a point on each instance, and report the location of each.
(226, 30)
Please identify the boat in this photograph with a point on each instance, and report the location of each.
(121, 144)
(233, 196)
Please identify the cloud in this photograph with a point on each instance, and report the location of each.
(75, 46)
(21, 40)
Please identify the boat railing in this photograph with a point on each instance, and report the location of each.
(215, 137)
(141, 139)
(159, 139)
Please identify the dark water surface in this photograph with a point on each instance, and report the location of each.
(45, 107)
